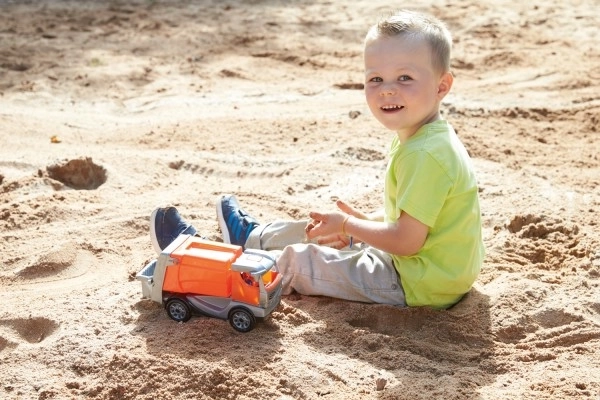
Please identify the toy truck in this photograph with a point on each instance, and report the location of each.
(194, 276)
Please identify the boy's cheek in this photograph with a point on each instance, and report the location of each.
(370, 97)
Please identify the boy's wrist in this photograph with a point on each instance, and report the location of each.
(344, 230)
(344, 225)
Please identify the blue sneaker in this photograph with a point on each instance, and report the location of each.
(234, 222)
(165, 225)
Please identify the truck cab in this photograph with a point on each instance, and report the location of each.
(199, 276)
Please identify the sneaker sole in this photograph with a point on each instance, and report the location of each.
(222, 223)
(153, 232)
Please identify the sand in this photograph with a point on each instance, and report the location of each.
(111, 108)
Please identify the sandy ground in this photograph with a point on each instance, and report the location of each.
(110, 108)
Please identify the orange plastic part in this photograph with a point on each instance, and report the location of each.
(202, 267)
(248, 291)
(244, 291)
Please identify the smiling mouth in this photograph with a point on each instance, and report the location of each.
(391, 108)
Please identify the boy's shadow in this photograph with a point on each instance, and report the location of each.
(431, 354)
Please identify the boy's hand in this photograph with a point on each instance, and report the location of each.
(327, 227)
(336, 241)
(323, 225)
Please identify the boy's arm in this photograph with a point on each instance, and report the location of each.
(338, 240)
(348, 209)
(376, 216)
(405, 237)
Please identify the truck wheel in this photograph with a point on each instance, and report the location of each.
(178, 310)
(241, 319)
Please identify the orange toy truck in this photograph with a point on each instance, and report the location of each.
(198, 276)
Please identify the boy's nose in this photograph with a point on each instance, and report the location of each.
(388, 90)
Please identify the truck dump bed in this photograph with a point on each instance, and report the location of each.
(201, 267)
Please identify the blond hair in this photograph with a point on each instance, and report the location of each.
(419, 26)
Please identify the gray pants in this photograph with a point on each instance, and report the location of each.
(361, 273)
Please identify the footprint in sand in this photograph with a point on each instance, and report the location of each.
(53, 262)
(549, 319)
(549, 329)
(58, 268)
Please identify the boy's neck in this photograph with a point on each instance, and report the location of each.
(404, 135)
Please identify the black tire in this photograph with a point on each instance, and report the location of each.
(241, 319)
(178, 310)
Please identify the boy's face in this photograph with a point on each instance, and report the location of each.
(402, 88)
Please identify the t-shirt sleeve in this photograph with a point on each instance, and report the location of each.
(423, 187)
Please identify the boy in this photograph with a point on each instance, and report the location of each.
(425, 247)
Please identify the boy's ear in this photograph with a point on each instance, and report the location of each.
(445, 84)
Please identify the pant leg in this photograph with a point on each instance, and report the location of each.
(362, 274)
(276, 235)
(365, 275)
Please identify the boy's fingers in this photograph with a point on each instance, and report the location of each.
(316, 217)
(345, 207)
(335, 241)
(309, 227)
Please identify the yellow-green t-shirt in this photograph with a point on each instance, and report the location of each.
(431, 178)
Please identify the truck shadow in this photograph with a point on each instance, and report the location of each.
(205, 338)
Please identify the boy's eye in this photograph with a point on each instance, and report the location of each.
(376, 79)
(404, 78)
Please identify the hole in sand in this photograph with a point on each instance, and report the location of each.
(34, 330)
(79, 174)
